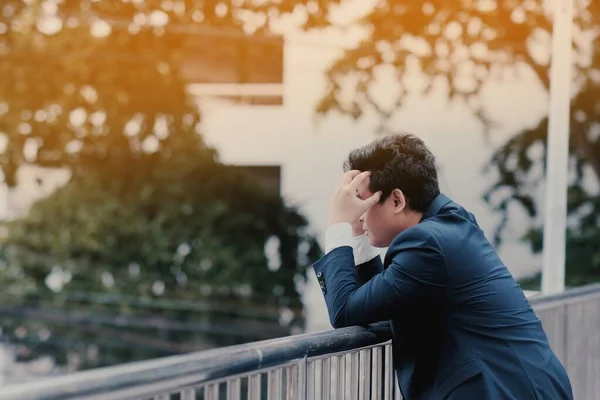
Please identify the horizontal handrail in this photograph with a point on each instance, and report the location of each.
(169, 373)
(571, 294)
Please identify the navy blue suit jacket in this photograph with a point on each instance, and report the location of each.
(457, 315)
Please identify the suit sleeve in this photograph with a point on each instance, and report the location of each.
(415, 274)
(367, 270)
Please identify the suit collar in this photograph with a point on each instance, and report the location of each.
(436, 205)
(434, 208)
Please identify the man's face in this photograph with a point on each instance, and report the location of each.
(379, 222)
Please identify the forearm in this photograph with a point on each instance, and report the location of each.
(339, 262)
(367, 270)
(366, 257)
(360, 261)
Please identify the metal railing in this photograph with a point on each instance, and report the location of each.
(352, 363)
(572, 322)
(342, 363)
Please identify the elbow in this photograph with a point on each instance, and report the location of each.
(337, 324)
(338, 320)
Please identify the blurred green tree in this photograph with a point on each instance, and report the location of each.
(222, 252)
(152, 242)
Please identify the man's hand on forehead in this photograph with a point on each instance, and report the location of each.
(346, 204)
(363, 190)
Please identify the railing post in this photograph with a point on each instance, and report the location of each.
(211, 392)
(188, 394)
(326, 384)
(341, 377)
(302, 367)
(234, 389)
(275, 384)
(353, 384)
(253, 387)
(364, 365)
(291, 382)
(310, 380)
(389, 374)
(376, 376)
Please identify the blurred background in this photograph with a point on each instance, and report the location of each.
(167, 164)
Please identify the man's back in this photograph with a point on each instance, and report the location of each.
(480, 328)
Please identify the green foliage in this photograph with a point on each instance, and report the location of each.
(96, 87)
(164, 212)
(175, 224)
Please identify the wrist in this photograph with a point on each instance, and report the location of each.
(337, 235)
(346, 226)
(363, 250)
(338, 220)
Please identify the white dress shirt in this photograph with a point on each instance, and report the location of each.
(339, 235)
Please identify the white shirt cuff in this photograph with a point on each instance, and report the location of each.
(340, 235)
(363, 251)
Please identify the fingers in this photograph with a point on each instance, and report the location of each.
(348, 177)
(358, 179)
(371, 201)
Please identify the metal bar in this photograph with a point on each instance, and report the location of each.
(388, 366)
(211, 391)
(291, 382)
(310, 380)
(557, 159)
(353, 382)
(302, 367)
(341, 378)
(364, 374)
(234, 389)
(326, 376)
(275, 384)
(254, 387)
(188, 394)
(376, 373)
(318, 379)
(169, 374)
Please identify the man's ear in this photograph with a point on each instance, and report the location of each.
(399, 200)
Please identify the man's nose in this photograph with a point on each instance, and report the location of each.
(362, 221)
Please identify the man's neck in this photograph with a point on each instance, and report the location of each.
(412, 219)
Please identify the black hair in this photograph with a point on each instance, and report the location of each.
(399, 161)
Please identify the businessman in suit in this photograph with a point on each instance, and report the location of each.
(461, 325)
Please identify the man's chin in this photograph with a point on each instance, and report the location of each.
(373, 242)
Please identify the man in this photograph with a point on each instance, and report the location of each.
(461, 325)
